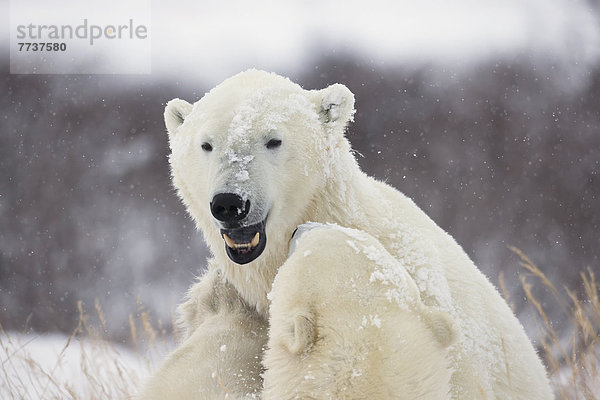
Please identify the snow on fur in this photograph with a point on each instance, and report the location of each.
(314, 176)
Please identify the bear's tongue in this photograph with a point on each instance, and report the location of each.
(242, 248)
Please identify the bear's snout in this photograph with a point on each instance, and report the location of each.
(229, 208)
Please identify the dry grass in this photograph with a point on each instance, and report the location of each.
(573, 363)
(104, 373)
(86, 366)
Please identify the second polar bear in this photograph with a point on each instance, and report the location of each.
(347, 322)
(195, 370)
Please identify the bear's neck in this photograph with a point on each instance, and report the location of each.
(343, 201)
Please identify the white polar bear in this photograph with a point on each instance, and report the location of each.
(258, 155)
(195, 370)
(347, 322)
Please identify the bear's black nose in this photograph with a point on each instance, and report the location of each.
(229, 207)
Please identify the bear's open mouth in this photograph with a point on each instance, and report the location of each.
(244, 245)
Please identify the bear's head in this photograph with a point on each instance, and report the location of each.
(353, 320)
(248, 158)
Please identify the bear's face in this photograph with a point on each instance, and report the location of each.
(249, 156)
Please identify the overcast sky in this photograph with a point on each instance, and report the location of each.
(216, 39)
(211, 40)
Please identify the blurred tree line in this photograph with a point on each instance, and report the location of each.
(498, 153)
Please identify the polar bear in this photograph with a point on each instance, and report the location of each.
(258, 155)
(195, 371)
(347, 322)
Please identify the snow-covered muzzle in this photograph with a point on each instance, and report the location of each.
(242, 222)
(242, 202)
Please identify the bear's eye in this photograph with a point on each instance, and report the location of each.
(273, 144)
(206, 146)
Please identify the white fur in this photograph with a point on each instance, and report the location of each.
(220, 360)
(313, 176)
(336, 334)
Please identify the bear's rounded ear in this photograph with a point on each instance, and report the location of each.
(442, 326)
(335, 105)
(175, 113)
(301, 332)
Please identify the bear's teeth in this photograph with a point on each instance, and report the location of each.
(229, 241)
(233, 245)
(255, 240)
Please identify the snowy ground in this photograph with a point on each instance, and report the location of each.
(52, 366)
